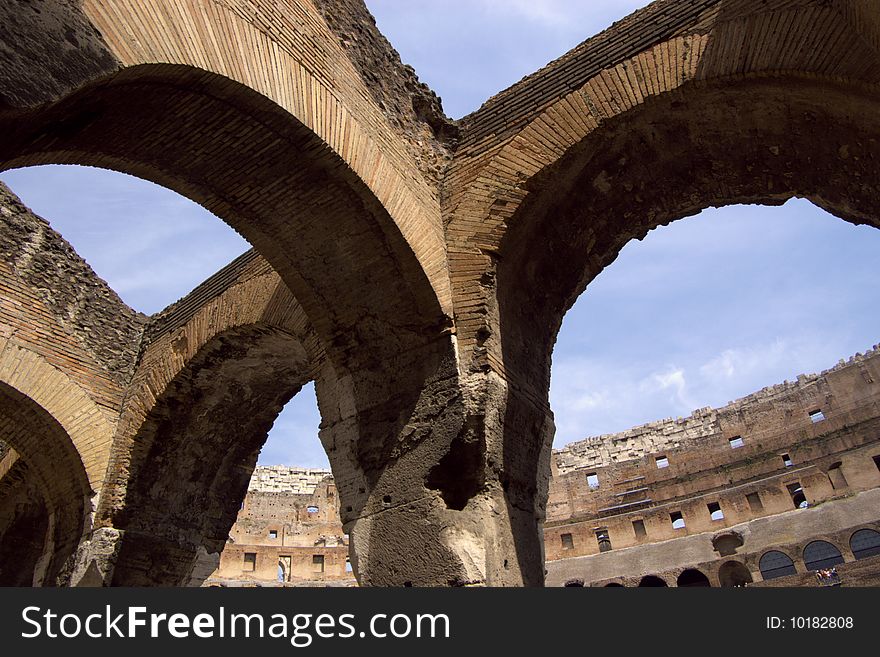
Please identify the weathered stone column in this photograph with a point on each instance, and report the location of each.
(432, 493)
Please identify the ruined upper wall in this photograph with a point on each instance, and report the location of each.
(410, 106)
(82, 302)
(662, 435)
(283, 479)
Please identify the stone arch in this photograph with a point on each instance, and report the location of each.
(865, 543)
(255, 166)
(585, 224)
(734, 573)
(51, 466)
(214, 374)
(775, 564)
(819, 555)
(286, 54)
(384, 328)
(635, 128)
(83, 422)
(710, 144)
(692, 577)
(195, 453)
(649, 581)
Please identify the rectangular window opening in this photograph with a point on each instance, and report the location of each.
(677, 520)
(593, 481)
(250, 562)
(639, 528)
(567, 542)
(787, 460)
(318, 563)
(736, 442)
(754, 500)
(798, 498)
(835, 474)
(273, 533)
(662, 462)
(715, 511)
(817, 415)
(604, 539)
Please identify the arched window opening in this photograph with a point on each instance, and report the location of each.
(775, 564)
(820, 555)
(865, 543)
(652, 581)
(693, 577)
(612, 375)
(734, 574)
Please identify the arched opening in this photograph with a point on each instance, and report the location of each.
(291, 508)
(188, 472)
(775, 564)
(750, 141)
(293, 439)
(865, 543)
(820, 555)
(24, 521)
(360, 282)
(652, 581)
(692, 577)
(279, 186)
(734, 574)
(614, 584)
(46, 475)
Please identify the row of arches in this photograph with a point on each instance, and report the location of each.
(817, 555)
(820, 555)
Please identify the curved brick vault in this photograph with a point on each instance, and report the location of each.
(416, 269)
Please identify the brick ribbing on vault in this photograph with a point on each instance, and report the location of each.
(509, 111)
(179, 313)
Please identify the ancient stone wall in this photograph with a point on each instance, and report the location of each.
(283, 479)
(289, 520)
(781, 467)
(84, 306)
(672, 433)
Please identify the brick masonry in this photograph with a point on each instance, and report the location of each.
(415, 268)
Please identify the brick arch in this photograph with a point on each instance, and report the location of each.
(283, 52)
(85, 426)
(554, 175)
(715, 143)
(366, 290)
(206, 392)
(194, 453)
(269, 176)
(55, 469)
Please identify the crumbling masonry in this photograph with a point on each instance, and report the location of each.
(416, 269)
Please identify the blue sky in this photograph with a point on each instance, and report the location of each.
(697, 314)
